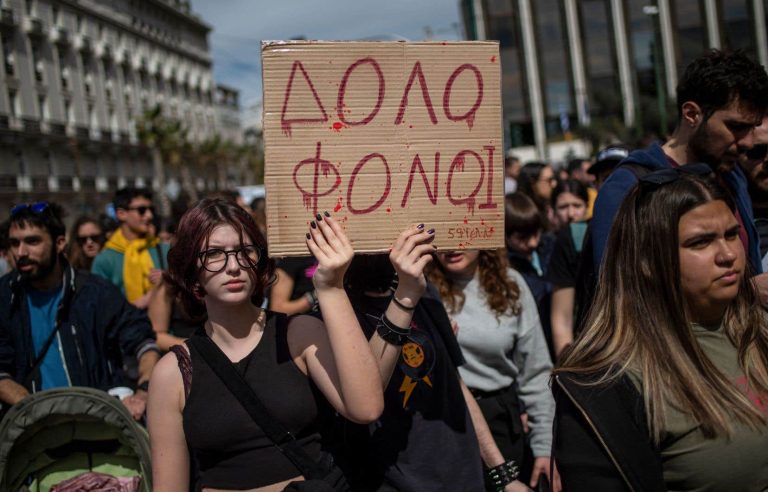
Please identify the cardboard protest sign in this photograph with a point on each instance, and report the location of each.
(383, 135)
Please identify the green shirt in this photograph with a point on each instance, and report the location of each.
(109, 264)
(693, 463)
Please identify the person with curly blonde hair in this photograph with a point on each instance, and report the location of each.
(507, 361)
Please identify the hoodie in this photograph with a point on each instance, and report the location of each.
(622, 180)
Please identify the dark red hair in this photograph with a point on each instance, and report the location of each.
(192, 236)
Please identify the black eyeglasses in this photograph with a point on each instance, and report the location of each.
(36, 208)
(96, 238)
(143, 209)
(758, 152)
(215, 260)
(666, 176)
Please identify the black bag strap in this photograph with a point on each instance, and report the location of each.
(32, 374)
(242, 391)
(72, 284)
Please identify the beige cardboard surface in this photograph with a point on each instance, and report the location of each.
(383, 135)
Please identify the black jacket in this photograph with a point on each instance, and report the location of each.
(98, 329)
(601, 437)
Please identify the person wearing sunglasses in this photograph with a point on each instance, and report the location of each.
(538, 181)
(295, 366)
(755, 166)
(133, 259)
(666, 388)
(60, 326)
(85, 242)
(721, 99)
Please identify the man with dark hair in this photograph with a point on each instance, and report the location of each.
(63, 327)
(721, 98)
(578, 169)
(133, 258)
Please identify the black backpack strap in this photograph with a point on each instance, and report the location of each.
(242, 391)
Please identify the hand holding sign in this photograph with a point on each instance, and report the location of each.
(411, 253)
(329, 244)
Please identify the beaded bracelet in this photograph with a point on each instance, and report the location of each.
(391, 333)
(502, 475)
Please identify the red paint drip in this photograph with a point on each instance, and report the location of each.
(466, 221)
(338, 205)
(337, 126)
(493, 59)
(389, 210)
(482, 222)
(410, 126)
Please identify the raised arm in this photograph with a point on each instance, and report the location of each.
(411, 253)
(336, 352)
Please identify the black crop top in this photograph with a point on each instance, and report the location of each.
(228, 449)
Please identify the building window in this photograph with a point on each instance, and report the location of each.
(555, 69)
(55, 11)
(600, 59)
(13, 103)
(79, 23)
(737, 26)
(37, 63)
(43, 108)
(30, 7)
(67, 111)
(7, 41)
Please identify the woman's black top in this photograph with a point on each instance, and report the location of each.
(229, 450)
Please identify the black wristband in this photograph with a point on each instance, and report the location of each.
(401, 305)
(391, 333)
(143, 386)
(502, 475)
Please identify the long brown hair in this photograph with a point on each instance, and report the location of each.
(502, 292)
(74, 250)
(639, 321)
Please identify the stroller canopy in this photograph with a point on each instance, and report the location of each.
(57, 434)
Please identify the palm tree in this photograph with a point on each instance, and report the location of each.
(164, 137)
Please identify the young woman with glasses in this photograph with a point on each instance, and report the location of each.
(667, 386)
(296, 366)
(86, 238)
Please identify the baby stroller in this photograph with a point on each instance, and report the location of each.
(58, 434)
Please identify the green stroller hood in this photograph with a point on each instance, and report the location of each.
(57, 434)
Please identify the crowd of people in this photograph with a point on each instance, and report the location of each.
(617, 342)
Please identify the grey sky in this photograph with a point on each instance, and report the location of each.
(240, 25)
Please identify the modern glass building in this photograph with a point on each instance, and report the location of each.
(603, 65)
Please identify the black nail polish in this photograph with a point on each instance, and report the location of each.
(420, 226)
(319, 217)
(431, 231)
(314, 226)
(308, 236)
(327, 214)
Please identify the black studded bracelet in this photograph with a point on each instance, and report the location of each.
(391, 333)
(502, 475)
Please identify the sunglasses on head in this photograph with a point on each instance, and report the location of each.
(36, 208)
(666, 176)
(757, 153)
(96, 238)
